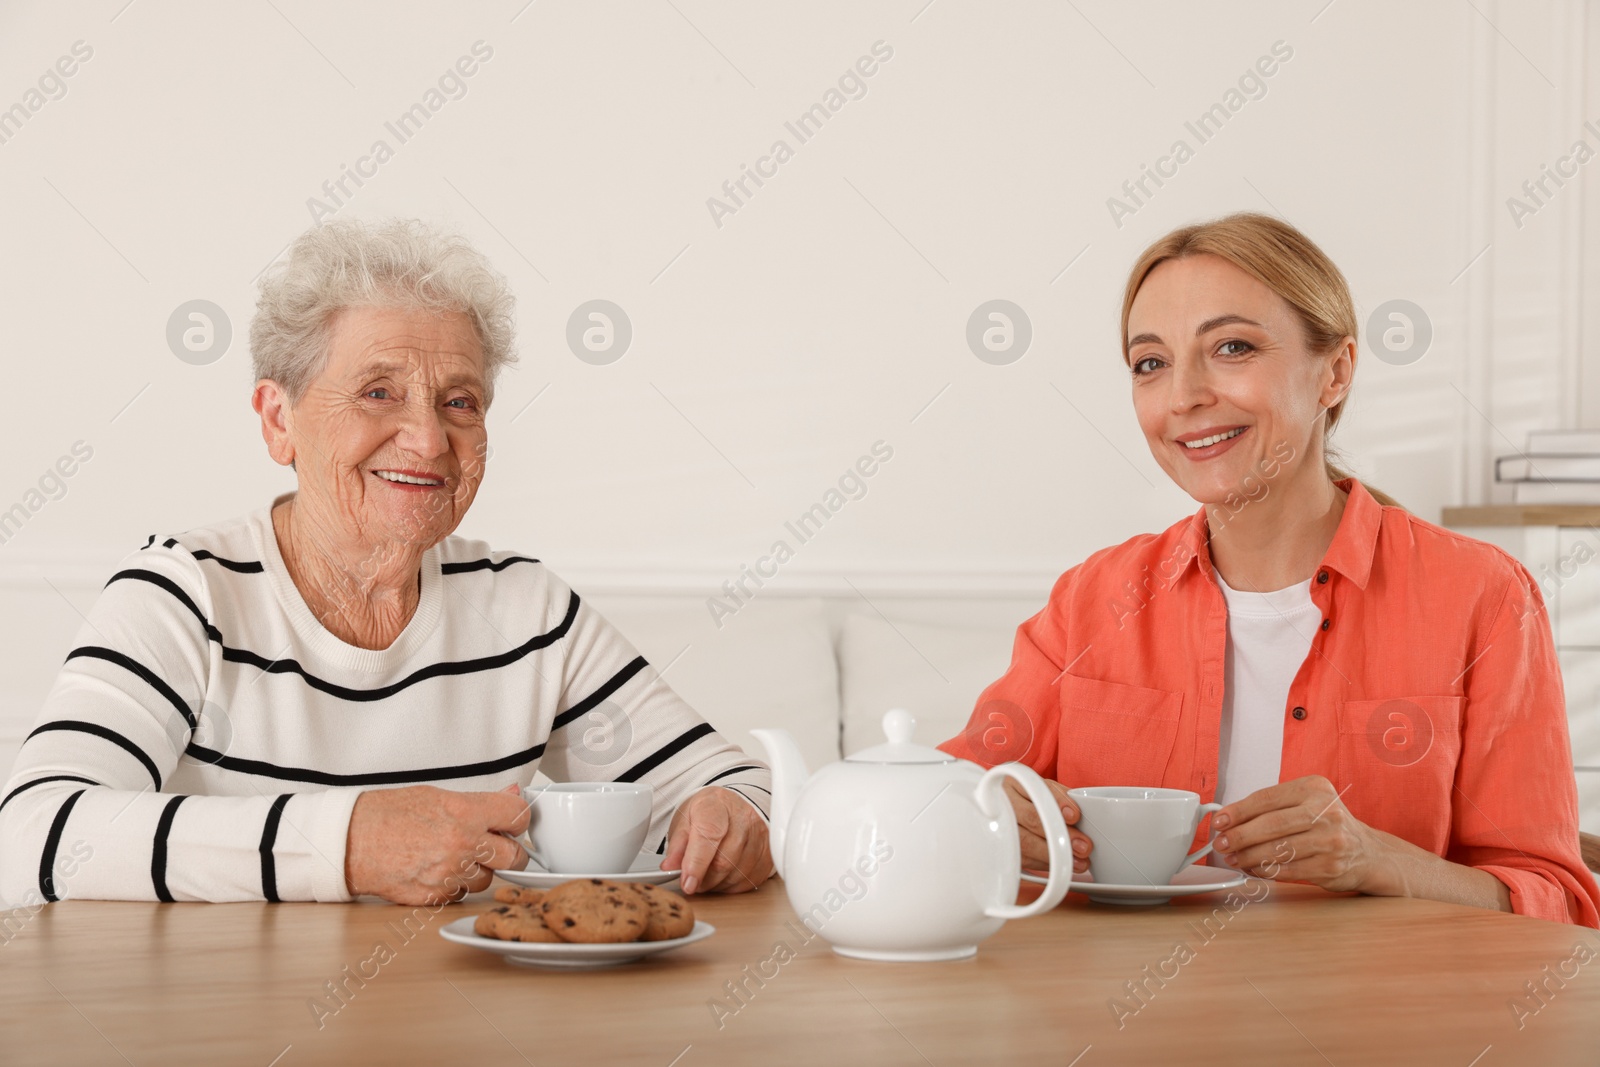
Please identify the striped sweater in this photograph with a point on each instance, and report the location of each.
(206, 739)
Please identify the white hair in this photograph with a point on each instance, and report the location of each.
(398, 263)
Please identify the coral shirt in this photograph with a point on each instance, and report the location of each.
(1431, 698)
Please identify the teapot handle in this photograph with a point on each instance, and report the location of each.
(992, 799)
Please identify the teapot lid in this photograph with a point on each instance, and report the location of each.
(898, 726)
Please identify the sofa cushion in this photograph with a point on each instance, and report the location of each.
(771, 665)
(935, 672)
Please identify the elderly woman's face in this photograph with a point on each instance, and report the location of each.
(388, 441)
(1217, 354)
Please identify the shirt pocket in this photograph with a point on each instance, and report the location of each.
(1115, 734)
(1397, 759)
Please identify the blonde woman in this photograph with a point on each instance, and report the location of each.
(1375, 700)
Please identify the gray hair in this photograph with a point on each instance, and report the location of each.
(347, 263)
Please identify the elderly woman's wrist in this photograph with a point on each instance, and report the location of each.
(352, 881)
(350, 885)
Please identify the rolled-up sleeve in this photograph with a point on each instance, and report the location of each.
(1515, 808)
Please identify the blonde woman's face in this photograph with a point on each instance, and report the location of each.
(1214, 353)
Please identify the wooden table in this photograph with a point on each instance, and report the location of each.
(1295, 976)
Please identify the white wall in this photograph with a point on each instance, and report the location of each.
(772, 351)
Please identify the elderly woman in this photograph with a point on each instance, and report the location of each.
(332, 696)
(1375, 700)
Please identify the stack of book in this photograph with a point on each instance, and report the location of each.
(1559, 467)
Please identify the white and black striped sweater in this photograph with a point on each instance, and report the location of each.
(206, 739)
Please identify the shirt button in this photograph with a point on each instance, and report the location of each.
(1326, 623)
(1299, 713)
(1322, 577)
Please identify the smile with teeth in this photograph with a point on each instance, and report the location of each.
(1205, 442)
(407, 479)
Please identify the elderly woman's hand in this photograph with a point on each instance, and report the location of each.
(423, 845)
(721, 843)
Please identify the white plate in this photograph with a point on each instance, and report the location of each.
(1187, 882)
(572, 956)
(646, 869)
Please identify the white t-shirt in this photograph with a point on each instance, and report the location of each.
(1269, 635)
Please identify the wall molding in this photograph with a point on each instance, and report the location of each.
(1477, 290)
(1573, 26)
(1587, 38)
(1488, 291)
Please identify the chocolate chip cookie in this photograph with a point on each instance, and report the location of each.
(487, 924)
(595, 911)
(516, 894)
(514, 922)
(670, 915)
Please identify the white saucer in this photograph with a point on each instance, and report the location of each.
(646, 869)
(1187, 882)
(570, 956)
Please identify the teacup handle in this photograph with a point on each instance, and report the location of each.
(991, 799)
(1201, 853)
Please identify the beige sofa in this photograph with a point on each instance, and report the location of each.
(826, 667)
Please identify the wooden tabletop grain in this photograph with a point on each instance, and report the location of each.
(1288, 974)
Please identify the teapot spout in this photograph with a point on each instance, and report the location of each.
(789, 773)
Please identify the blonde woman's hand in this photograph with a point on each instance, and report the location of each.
(1300, 831)
(1035, 849)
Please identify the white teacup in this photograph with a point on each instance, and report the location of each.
(588, 827)
(1140, 834)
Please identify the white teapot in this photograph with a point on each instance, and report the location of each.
(902, 852)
